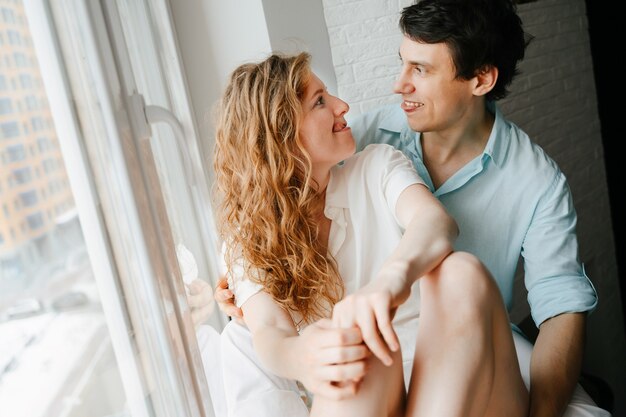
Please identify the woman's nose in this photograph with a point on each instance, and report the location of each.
(341, 107)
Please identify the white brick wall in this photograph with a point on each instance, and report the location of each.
(364, 40)
(554, 100)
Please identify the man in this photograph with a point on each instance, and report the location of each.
(508, 197)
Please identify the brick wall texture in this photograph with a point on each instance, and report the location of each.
(553, 100)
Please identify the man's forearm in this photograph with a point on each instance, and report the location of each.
(556, 363)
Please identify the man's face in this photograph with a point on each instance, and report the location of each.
(433, 99)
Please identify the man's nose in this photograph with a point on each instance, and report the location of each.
(402, 84)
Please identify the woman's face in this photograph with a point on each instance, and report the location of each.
(324, 131)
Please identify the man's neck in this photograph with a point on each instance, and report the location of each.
(447, 151)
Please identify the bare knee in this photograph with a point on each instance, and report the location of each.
(464, 282)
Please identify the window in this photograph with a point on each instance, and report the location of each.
(29, 198)
(22, 175)
(26, 81)
(16, 153)
(9, 130)
(31, 103)
(134, 204)
(54, 339)
(14, 37)
(37, 123)
(43, 144)
(20, 60)
(6, 105)
(35, 221)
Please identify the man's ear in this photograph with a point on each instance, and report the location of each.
(485, 80)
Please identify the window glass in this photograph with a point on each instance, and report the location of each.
(56, 356)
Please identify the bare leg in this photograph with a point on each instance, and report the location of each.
(381, 393)
(465, 362)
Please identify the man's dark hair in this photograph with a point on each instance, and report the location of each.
(479, 34)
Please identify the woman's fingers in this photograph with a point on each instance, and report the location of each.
(328, 335)
(352, 371)
(383, 319)
(372, 338)
(370, 313)
(344, 354)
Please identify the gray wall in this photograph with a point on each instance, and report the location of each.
(554, 100)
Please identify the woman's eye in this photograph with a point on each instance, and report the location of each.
(320, 101)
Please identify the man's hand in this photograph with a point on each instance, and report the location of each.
(226, 300)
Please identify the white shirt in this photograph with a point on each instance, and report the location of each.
(361, 202)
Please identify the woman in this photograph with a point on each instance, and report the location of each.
(323, 248)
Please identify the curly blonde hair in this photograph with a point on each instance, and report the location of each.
(268, 200)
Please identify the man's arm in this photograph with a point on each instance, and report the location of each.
(556, 364)
(557, 287)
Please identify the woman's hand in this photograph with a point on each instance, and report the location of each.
(332, 360)
(372, 308)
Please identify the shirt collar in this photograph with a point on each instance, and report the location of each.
(497, 144)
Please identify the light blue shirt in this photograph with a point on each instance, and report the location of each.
(509, 201)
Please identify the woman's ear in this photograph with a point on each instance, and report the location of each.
(485, 80)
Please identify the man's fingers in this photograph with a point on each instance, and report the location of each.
(223, 295)
(222, 283)
(231, 310)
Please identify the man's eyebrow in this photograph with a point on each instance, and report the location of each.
(410, 62)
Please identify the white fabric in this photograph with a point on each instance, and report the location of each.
(250, 389)
(209, 341)
(360, 200)
(581, 404)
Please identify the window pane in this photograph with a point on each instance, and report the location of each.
(56, 356)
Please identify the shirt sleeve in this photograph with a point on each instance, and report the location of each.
(241, 286)
(396, 172)
(554, 276)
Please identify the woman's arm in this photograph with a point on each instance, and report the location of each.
(318, 357)
(428, 238)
